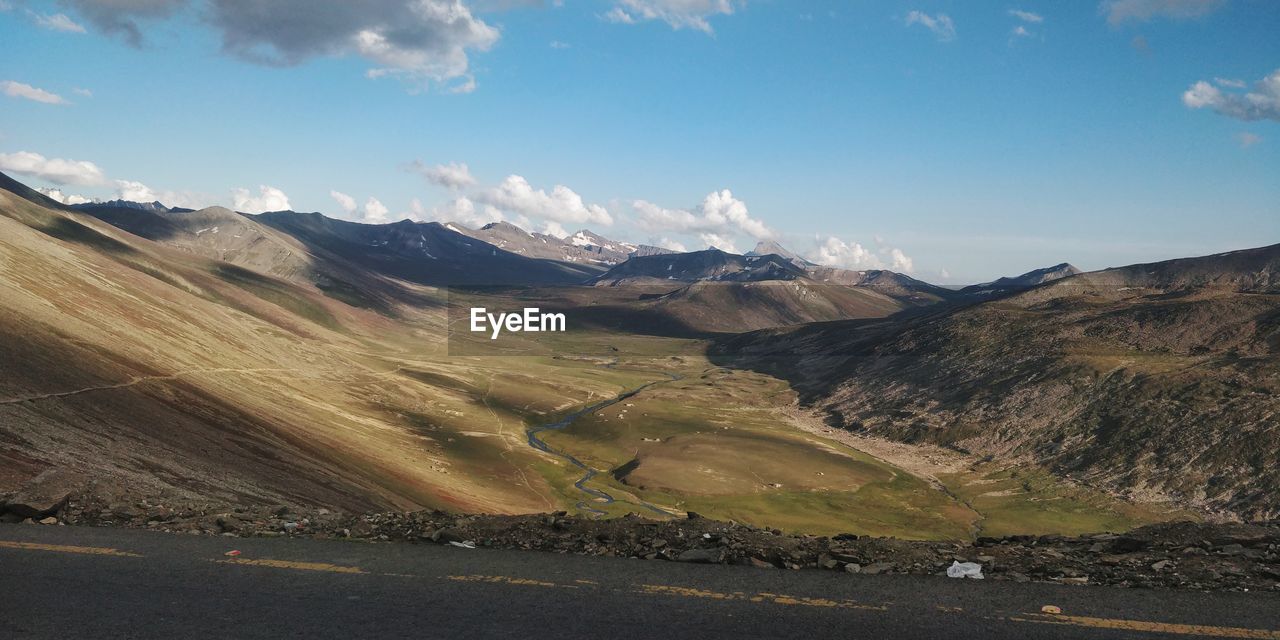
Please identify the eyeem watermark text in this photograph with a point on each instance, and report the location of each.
(531, 320)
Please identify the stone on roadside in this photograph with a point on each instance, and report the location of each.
(705, 556)
(877, 568)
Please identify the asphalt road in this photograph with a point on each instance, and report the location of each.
(70, 582)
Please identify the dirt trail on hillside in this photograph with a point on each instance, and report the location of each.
(135, 381)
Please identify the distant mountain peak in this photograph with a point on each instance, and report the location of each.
(504, 226)
(1025, 281)
(585, 248)
(772, 247)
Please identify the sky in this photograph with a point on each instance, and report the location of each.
(955, 140)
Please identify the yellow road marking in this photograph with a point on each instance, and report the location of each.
(291, 564)
(689, 592)
(523, 582)
(774, 598)
(62, 548)
(1153, 627)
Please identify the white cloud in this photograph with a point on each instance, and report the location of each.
(553, 228)
(82, 92)
(345, 201)
(556, 44)
(454, 175)
(1230, 83)
(619, 16)
(461, 210)
(668, 243)
(1262, 103)
(467, 85)
(1021, 30)
(268, 199)
(55, 170)
(679, 14)
(941, 24)
(1120, 11)
(1247, 139)
(64, 198)
(374, 211)
(424, 42)
(834, 252)
(899, 261)
(19, 90)
(717, 241)
(135, 191)
(720, 216)
(515, 194)
(57, 22)
(1026, 16)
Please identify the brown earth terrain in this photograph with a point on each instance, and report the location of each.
(1155, 382)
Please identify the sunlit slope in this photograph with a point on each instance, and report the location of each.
(156, 371)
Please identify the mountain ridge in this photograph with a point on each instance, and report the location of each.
(1155, 381)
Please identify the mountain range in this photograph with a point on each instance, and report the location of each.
(293, 357)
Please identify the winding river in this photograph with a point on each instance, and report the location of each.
(594, 496)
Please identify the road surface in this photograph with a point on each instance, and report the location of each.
(72, 582)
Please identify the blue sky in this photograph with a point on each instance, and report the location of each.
(926, 136)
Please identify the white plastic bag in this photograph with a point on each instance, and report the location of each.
(965, 570)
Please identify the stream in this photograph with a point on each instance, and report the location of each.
(595, 496)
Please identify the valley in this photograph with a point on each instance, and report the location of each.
(280, 359)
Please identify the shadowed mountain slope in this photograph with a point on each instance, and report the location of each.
(1024, 281)
(709, 265)
(1155, 381)
(423, 252)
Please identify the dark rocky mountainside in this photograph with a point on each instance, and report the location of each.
(1024, 281)
(1154, 381)
(709, 265)
(422, 252)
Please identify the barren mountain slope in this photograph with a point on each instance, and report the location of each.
(1153, 381)
(241, 240)
(583, 248)
(734, 307)
(135, 365)
(422, 252)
